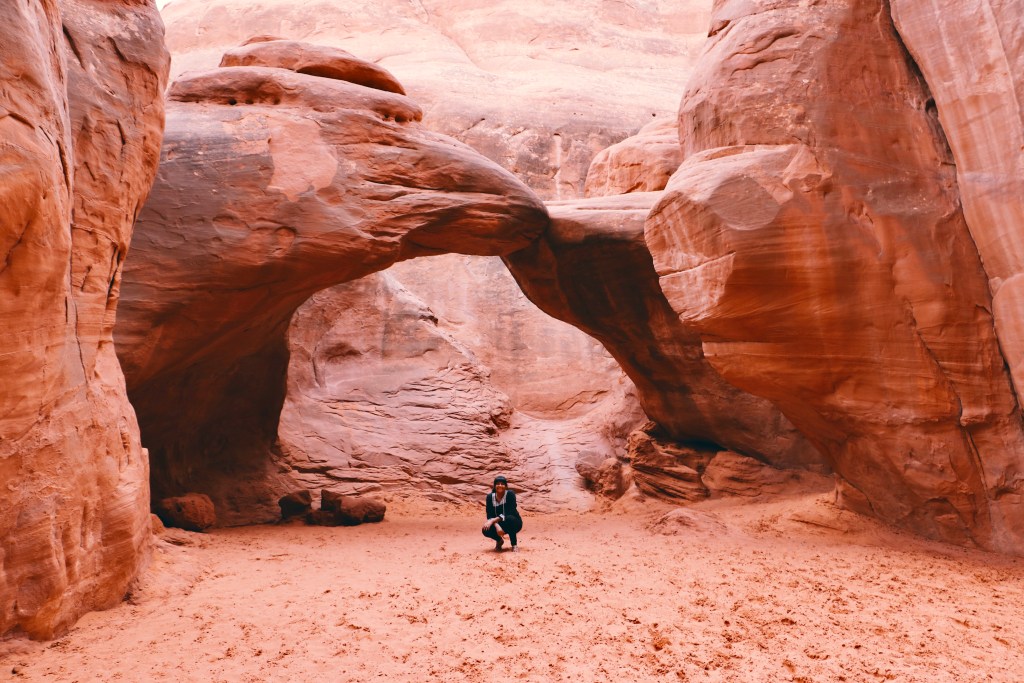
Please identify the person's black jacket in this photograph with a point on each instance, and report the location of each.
(508, 510)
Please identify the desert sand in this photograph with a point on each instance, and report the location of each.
(791, 589)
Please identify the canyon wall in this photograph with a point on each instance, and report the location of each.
(81, 116)
(813, 239)
(385, 392)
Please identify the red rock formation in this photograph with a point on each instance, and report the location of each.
(539, 87)
(386, 393)
(80, 120)
(971, 52)
(274, 185)
(813, 240)
(593, 270)
(641, 163)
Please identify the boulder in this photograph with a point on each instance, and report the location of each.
(609, 478)
(732, 474)
(295, 504)
(192, 512)
(337, 509)
(641, 163)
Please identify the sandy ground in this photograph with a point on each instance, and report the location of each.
(788, 590)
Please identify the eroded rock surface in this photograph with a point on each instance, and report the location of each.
(386, 393)
(592, 269)
(972, 55)
(813, 240)
(273, 185)
(80, 125)
(641, 163)
(539, 87)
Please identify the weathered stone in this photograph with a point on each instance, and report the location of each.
(641, 163)
(609, 478)
(593, 270)
(274, 185)
(385, 393)
(732, 474)
(80, 124)
(667, 470)
(330, 501)
(813, 240)
(315, 60)
(971, 53)
(192, 512)
(337, 509)
(361, 509)
(295, 504)
(538, 87)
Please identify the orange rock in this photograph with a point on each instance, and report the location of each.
(387, 393)
(275, 185)
(813, 240)
(81, 127)
(976, 81)
(538, 87)
(593, 269)
(192, 512)
(640, 163)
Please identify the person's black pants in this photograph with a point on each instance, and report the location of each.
(511, 526)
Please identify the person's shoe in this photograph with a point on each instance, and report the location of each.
(497, 544)
(515, 549)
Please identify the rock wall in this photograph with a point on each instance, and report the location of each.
(593, 270)
(386, 393)
(813, 239)
(538, 87)
(972, 55)
(275, 184)
(80, 126)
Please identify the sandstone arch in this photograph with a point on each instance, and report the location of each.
(273, 185)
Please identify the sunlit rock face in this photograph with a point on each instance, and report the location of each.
(813, 240)
(539, 87)
(388, 393)
(81, 116)
(273, 185)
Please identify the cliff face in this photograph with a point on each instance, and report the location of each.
(972, 56)
(386, 392)
(814, 239)
(81, 116)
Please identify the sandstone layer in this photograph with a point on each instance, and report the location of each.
(972, 55)
(80, 124)
(539, 87)
(273, 185)
(641, 163)
(813, 239)
(593, 270)
(385, 392)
